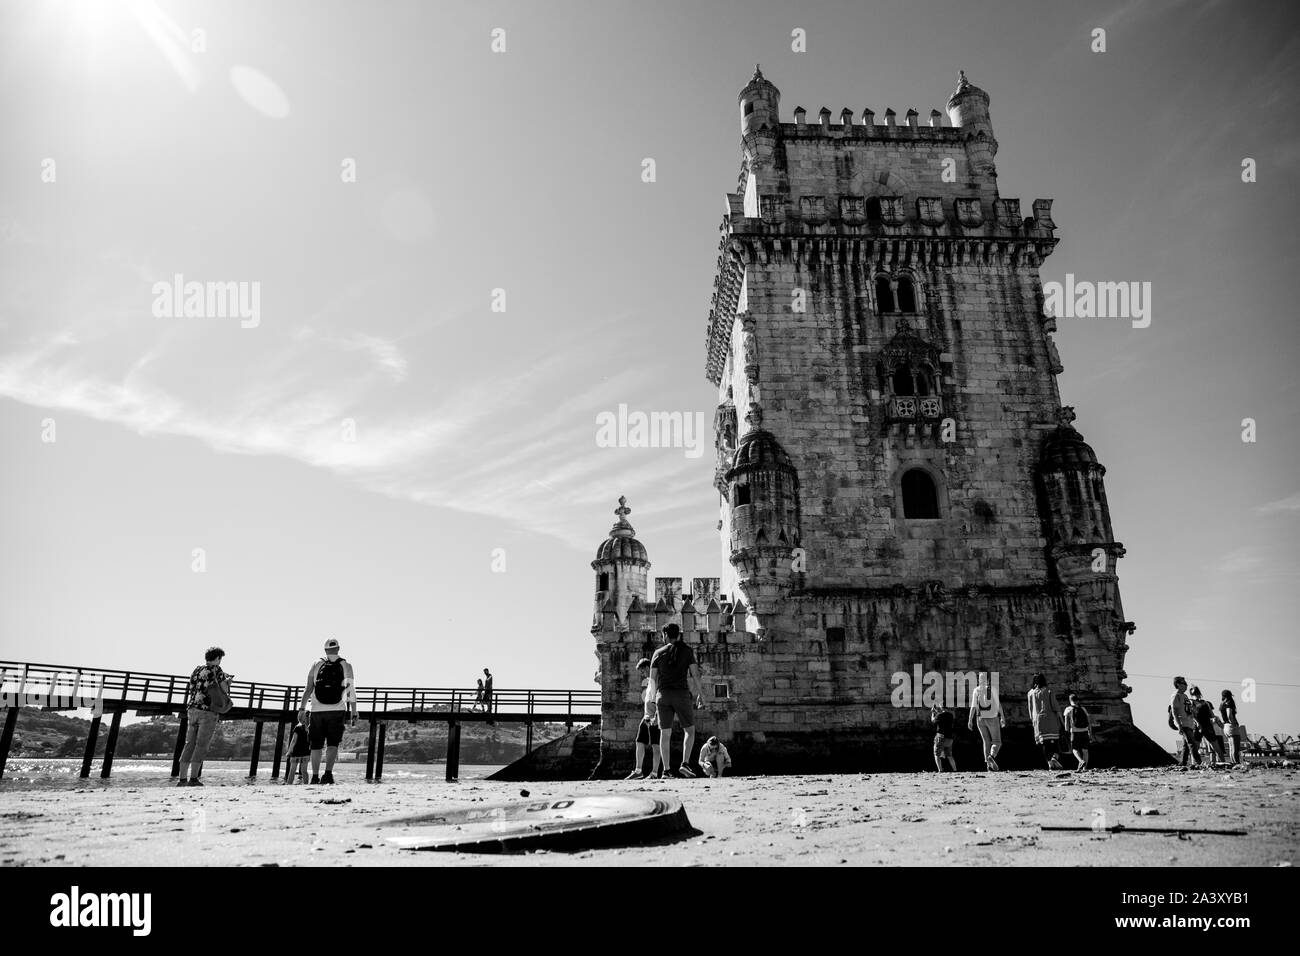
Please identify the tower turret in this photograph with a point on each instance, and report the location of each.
(760, 104)
(968, 108)
(763, 491)
(1074, 505)
(622, 567)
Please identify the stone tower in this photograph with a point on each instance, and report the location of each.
(903, 500)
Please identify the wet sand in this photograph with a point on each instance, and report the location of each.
(850, 819)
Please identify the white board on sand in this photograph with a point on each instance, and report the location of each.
(554, 823)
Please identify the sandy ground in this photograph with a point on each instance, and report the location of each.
(928, 819)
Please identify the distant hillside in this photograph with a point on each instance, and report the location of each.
(50, 734)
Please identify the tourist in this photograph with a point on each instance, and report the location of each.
(942, 719)
(478, 698)
(332, 692)
(1046, 717)
(1181, 720)
(647, 732)
(986, 715)
(1203, 714)
(714, 759)
(677, 681)
(487, 693)
(1231, 727)
(1076, 725)
(299, 751)
(202, 719)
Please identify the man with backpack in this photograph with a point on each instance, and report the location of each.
(1076, 725)
(332, 692)
(1181, 720)
(207, 698)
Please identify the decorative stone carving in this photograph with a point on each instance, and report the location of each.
(891, 210)
(930, 210)
(969, 213)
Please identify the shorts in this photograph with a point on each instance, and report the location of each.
(1078, 740)
(676, 703)
(326, 729)
(942, 746)
(648, 733)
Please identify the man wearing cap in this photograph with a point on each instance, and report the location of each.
(677, 681)
(332, 691)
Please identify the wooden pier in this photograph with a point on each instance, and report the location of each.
(117, 692)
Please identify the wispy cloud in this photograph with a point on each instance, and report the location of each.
(1289, 505)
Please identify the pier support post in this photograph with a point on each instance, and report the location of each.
(257, 750)
(370, 750)
(180, 743)
(379, 752)
(279, 751)
(110, 747)
(528, 738)
(453, 750)
(91, 740)
(7, 736)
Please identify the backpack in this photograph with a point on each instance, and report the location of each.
(329, 681)
(1173, 724)
(1080, 718)
(218, 700)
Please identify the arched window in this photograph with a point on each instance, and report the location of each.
(920, 497)
(884, 295)
(902, 381)
(924, 383)
(741, 496)
(906, 295)
(602, 583)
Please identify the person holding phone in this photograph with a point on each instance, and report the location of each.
(201, 718)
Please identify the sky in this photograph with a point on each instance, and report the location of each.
(455, 529)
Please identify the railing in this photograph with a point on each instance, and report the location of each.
(100, 688)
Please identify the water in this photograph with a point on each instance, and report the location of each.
(42, 773)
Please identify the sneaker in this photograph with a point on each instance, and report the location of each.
(315, 779)
(685, 771)
(993, 764)
(195, 783)
(327, 777)
(182, 782)
(635, 775)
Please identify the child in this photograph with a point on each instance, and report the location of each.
(714, 758)
(299, 751)
(1076, 725)
(943, 721)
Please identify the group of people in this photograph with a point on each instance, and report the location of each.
(329, 701)
(671, 691)
(986, 715)
(1196, 722)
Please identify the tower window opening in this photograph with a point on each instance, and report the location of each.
(884, 295)
(741, 496)
(902, 381)
(602, 582)
(920, 497)
(924, 385)
(906, 295)
(749, 108)
(873, 211)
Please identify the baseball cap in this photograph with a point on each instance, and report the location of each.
(331, 645)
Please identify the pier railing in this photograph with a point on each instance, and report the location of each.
(54, 687)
